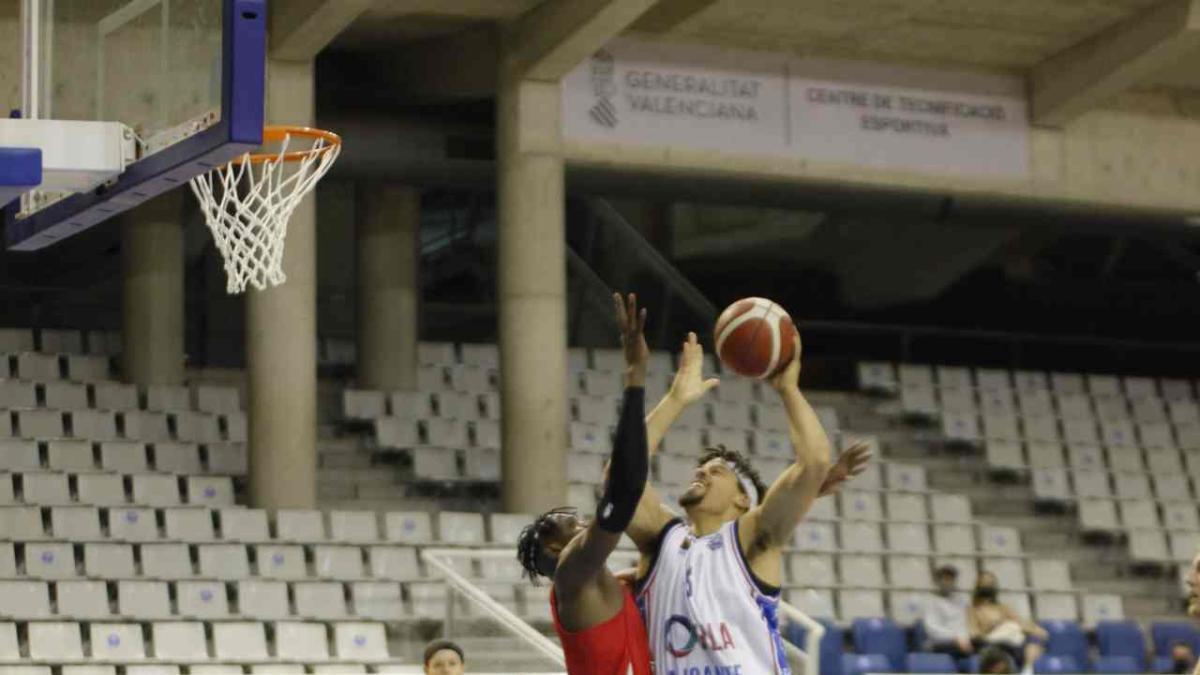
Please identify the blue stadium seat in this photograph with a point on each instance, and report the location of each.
(927, 662)
(1162, 664)
(831, 644)
(969, 664)
(1122, 638)
(880, 636)
(1066, 639)
(1055, 664)
(918, 637)
(1167, 633)
(858, 664)
(1115, 665)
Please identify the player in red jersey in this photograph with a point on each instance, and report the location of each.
(595, 615)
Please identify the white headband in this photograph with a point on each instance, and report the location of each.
(746, 483)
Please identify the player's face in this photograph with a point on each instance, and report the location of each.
(445, 662)
(561, 528)
(714, 487)
(1193, 583)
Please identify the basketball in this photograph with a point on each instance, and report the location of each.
(755, 337)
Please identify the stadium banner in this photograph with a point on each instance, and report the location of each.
(844, 112)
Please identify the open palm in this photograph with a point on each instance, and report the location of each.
(852, 462)
(689, 385)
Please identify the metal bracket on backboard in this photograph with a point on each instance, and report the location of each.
(239, 129)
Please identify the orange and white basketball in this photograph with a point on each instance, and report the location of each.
(754, 337)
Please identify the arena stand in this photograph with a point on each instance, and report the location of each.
(123, 543)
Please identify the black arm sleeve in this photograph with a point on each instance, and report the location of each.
(630, 466)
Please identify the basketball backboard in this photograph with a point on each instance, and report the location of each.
(184, 78)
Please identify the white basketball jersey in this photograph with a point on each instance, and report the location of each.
(705, 613)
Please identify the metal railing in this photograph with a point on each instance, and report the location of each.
(504, 616)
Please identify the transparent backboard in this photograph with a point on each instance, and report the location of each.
(184, 77)
(153, 65)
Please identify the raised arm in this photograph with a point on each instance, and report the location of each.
(771, 524)
(688, 387)
(585, 558)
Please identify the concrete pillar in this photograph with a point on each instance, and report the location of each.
(152, 307)
(532, 288)
(281, 334)
(388, 293)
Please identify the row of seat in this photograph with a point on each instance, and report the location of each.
(1042, 403)
(60, 341)
(1070, 484)
(1102, 515)
(51, 488)
(1120, 647)
(192, 642)
(1039, 455)
(907, 607)
(123, 456)
(914, 572)
(174, 560)
(37, 367)
(969, 428)
(915, 538)
(108, 395)
(134, 425)
(889, 378)
(237, 524)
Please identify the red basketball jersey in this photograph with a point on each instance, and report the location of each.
(616, 647)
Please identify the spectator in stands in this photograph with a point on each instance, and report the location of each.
(995, 624)
(1183, 660)
(995, 661)
(945, 617)
(443, 657)
(1193, 605)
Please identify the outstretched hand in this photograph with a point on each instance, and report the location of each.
(632, 323)
(852, 462)
(689, 385)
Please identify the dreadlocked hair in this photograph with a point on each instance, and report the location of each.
(740, 464)
(529, 543)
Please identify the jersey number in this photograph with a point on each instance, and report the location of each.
(687, 583)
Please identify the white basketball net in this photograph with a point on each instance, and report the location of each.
(247, 206)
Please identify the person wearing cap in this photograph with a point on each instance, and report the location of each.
(443, 657)
(945, 618)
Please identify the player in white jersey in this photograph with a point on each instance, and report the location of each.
(709, 586)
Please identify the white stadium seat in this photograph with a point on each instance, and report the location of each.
(46, 488)
(954, 539)
(360, 641)
(915, 375)
(1010, 572)
(905, 477)
(1080, 431)
(166, 561)
(55, 641)
(815, 602)
(1050, 575)
(1131, 485)
(1097, 608)
(301, 641)
(1171, 486)
(353, 527)
(856, 505)
(180, 641)
(24, 599)
(1126, 460)
(167, 398)
(64, 455)
(40, 424)
(50, 560)
(379, 600)
(814, 536)
(859, 604)
(1103, 386)
(320, 600)
(156, 490)
(123, 457)
(992, 379)
(1163, 460)
(223, 561)
(861, 571)
(1137, 514)
(143, 599)
(1086, 456)
(364, 404)
(101, 489)
(461, 528)
(1148, 545)
(1035, 403)
(244, 525)
(408, 527)
(397, 563)
(1180, 516)
(903, 507)
(116, 642)
(1098, 515)
(280, 562)
(81, 368)
(950, 508)
(878, 377)
(338, 562)
(1040, 429)
(1056, 607)
(263, 599)
(65, 395)
(860, 537)
(83, 600)
(38, 367)
(217, 400)
(239, 641)
(1137, 388)
(812, 569)
(1000, 540)
(132, 524)
(188, 524)
(19, 455)
(1067, 383)
(963, 428)
(1001, 427)
(1090, 483)
(909, 572)
(1149, 409)
(908, 537)
(202, 600)
(144, 425)
(907, 607)
(299, 525)
(21, 523)
(1045, 455)
(1005, 455)
(108, 561)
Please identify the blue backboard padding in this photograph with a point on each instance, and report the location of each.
(20, 172)
(244, 45)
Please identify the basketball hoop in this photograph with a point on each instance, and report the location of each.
(247, 202)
